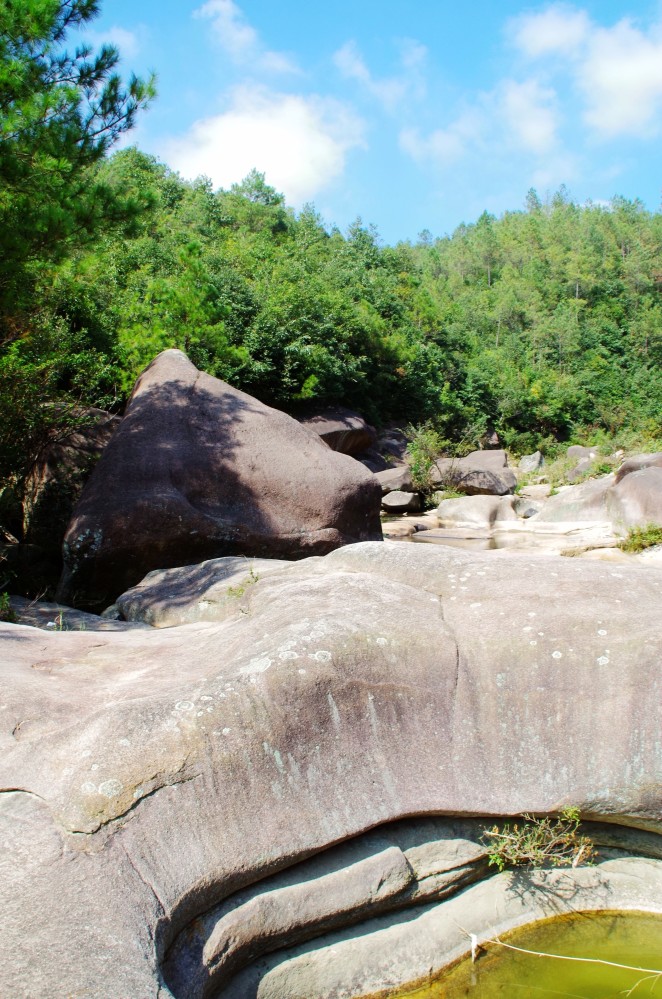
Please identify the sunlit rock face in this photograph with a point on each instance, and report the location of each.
(151, 775)
(197, 470)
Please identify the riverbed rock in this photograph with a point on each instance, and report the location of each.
(637, 463)
(399, 501)
(479, 473)
(530, 462)
(342, 430)
(150, 775)
(210, 591)
(198, 470)
(476, 511)
(398, 477)
(634, 500)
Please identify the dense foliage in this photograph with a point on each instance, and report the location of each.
(59, 114)
(545, 324)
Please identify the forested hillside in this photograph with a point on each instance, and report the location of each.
(545, 324)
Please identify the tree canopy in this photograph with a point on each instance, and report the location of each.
(60, 112)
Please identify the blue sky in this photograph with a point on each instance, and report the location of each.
(412, 115)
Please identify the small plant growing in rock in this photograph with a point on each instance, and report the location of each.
(6, 612)
(640, 538)
(240, 588)
(534, 842)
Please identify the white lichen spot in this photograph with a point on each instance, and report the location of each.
(226, 731)
(527, 627)
(321, 656)
(602, 661)
(500, 679)
(382, 641)
(111, 788)
(288, 654)
(95, 766)
(258, 665)
(206, 697)
(124, 742)
(199, 714)
(88, 788)
(86, 753)
(533, 642)
(477, 604)
(557, 654)
(531, 614)
(601, 631)
(138, 792)
(67, 772)
(184, 706)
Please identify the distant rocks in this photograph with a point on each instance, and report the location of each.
(342, 430)
(479, 473)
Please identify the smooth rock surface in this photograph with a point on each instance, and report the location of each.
(149, 775)
(210, 591)
(198, 470)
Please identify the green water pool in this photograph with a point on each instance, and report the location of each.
(631, 938)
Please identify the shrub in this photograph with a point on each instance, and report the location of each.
(640, 538)
(425, 446)
(539, 842)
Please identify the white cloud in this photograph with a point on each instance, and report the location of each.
(444, 146)
(126, 41)
(392, 90)
(621, 80)
(513, 118)
(300, 143)
(239, 40)
(560, 30)
(616, 71)
(530, 115)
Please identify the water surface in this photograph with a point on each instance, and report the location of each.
(624, 938)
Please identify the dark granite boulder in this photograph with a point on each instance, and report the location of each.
(198, 470)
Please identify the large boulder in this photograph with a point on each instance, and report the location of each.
(637, 463)
(636, 499)
(633, 500)
(156, 781)
(197, 470)
(342, 430)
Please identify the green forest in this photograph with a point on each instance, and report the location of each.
(544, 324)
